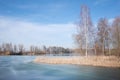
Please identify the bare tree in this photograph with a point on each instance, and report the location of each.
(15, 49)
(79, 40)
(21, 49)
(116, 34)
(32, 50)
(84, 28)
(103, 33)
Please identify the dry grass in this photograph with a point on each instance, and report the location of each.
(105, 61)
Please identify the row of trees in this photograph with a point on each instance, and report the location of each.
(10, 49)
(102, 39)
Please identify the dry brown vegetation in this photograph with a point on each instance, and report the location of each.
(104, 61)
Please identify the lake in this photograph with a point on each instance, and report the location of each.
(22, 68)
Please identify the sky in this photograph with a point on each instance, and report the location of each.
(48, 22)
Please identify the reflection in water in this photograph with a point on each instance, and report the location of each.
(22, 68)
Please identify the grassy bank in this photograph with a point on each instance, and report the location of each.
(104, 61)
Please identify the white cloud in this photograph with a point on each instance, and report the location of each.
(98, 2)
(49, 7)
(16, 31)
(111, 20)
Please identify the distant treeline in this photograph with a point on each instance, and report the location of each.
(10, 49)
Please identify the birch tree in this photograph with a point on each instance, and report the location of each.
(84, 29)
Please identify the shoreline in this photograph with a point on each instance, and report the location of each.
(102, 61)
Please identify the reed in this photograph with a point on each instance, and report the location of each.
(104, 61)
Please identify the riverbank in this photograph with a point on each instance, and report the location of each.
(104, 61)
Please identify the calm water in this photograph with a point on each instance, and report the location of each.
(22, 68)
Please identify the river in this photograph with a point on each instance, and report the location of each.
(22, 68)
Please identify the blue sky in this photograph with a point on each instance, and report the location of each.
(48, 22)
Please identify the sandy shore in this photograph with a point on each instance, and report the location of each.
(104, 61)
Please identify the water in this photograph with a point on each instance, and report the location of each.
(22, 68)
